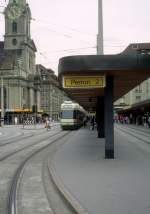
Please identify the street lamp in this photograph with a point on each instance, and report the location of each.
(2, 102)
(100, 29)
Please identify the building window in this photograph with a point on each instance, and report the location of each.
(14, 41)
(14, 27)
(138, 98)
(138, 89)
(24, 93)
(35, 97)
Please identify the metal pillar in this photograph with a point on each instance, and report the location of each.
(100, 29)
(109, 125)
(100, 117)
(2, 102)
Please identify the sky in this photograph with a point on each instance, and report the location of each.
(69, 27)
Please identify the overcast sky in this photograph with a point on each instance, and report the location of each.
(69, 27)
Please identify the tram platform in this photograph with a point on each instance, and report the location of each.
(106, 186)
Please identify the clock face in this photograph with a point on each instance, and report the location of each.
(14, 12)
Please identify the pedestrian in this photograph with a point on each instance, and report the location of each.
(84, 121)
(16, 120)
(47, 124)
(92, 123)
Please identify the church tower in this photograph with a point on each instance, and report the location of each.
(17, 34)
(17, 24)
(19, 59)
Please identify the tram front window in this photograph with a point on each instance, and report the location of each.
(67, 114)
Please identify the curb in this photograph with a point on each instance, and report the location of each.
(74, 203)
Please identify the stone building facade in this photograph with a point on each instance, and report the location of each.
(52, 96)
(135, 105)
(141, 93)
(17, 63)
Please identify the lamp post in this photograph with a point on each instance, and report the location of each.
(100, 29)
(2, 102)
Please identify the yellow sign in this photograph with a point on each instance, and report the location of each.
(22, 110)
(83, 81)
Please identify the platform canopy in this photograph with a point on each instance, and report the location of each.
(83, 76)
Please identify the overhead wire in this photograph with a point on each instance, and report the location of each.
(75, 30)
(75, 49)
(56, 59)
(67, 35)
(64, 26)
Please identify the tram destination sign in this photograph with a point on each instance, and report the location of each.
(83, 82)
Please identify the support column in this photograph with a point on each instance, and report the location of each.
(109, 124)
(100, 117)
(100, 29)
(2, 102)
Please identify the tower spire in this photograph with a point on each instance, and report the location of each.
(100, 29)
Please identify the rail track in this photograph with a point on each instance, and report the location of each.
(13, 189)
(16, 163)
(54, 201)
(9, 153)
(140, 134)
(35, 141)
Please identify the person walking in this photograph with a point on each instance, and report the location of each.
(47, 124)
(92, 123)
(84, 122)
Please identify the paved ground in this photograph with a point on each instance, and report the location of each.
(119, 186)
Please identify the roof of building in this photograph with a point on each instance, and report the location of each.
(137, 47)
(31, 44)
(48, 73)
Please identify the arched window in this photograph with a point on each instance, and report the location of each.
(14, 27)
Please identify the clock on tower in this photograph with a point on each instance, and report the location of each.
(14, 12)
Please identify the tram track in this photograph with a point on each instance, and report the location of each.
(13, 188)
(9, 139)
(13, 164)
(26, 147)
(20, 141)
(70, 200)
(138, 134)
(12, 206)
(9, 163)
(16, 139)
(140, 128)
(137, 129)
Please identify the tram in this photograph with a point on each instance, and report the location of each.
(72, 115)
